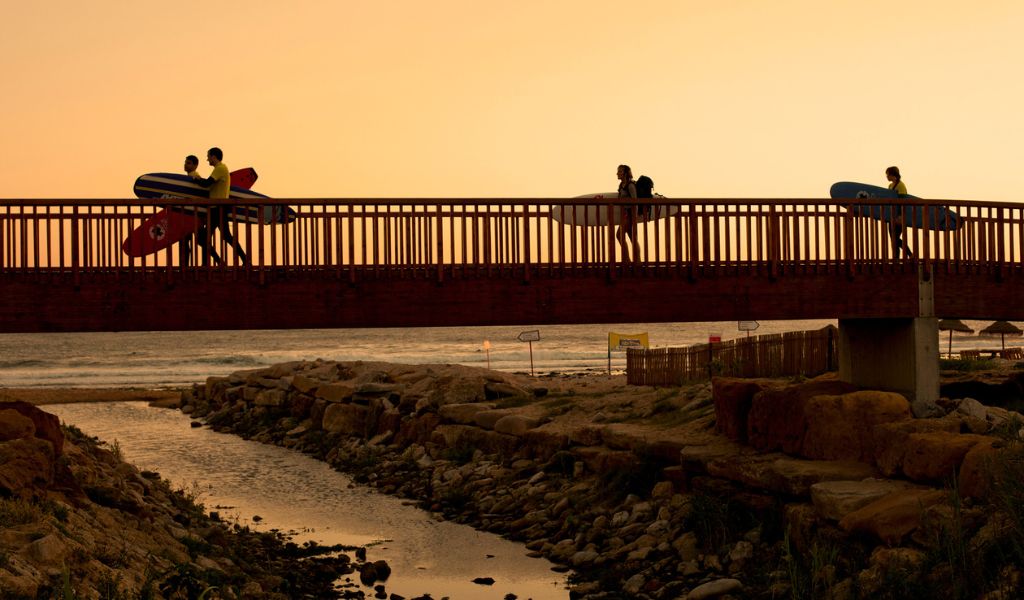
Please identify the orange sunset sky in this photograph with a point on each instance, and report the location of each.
(471, 98)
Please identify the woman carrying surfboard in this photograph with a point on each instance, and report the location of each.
(896, 227)
(627, 189)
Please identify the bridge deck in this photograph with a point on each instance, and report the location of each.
(379, 263)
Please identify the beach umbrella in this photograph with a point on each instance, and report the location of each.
(1003, 329)
(952, 325)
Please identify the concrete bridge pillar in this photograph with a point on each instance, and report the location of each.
(899, 355)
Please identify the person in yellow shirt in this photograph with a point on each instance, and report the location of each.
(219, 183)
(896, 227)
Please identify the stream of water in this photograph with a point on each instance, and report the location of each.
(295, 493)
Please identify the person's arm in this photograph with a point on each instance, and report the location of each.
(632, 190)
(208, 182)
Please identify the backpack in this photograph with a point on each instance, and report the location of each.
(644, 189)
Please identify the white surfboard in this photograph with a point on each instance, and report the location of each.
(597, 215)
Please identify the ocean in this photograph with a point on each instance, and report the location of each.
(173, 359)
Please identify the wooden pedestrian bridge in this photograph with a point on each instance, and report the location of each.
(432, 262)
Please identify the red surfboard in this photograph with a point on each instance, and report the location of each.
(168, 227)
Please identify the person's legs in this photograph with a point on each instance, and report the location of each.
(185, 251)
(225, 232)
(204, 237)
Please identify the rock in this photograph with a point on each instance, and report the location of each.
(484, 581)
(584, 558)
(516, 425)
(783, 474)
(487, 418)
(663, 490)
(14, 425)
(334, 392)
(48, 551)
(935, 456)
(47, 425)
(195, 424)
(777, 416)
(25, 464)
(842, 427)
(271, 398)
(972, 408)
(978, 467)
(836, 499)
(494, 390)
(634, 584)
(586, 435)
(463, 413)
(347, 419)
(714, 589)
(732, 399)
(891, 518)
(892, 440)
(306, 384)
(926, 409)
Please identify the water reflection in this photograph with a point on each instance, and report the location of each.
(295, 493)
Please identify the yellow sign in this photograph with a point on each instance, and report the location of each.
(621, 341)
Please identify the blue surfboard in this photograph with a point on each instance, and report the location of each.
(159, 186)
(936, 218)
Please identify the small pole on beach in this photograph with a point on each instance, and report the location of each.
(531, 337)
(487, 349)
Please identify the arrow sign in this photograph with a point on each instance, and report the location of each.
(748, 325)
(529, 336)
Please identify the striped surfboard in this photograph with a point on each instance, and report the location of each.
(159, 186)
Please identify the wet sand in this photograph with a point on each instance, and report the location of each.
(41, 396)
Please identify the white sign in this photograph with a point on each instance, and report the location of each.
(630, 343)
(748, 325)
(529, 336)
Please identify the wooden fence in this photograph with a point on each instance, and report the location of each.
(774, 355)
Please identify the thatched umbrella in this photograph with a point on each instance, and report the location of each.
(1003, 328)
(952, 325)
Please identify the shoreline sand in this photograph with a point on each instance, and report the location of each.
(43, 396)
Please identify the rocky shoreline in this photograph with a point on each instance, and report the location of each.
(78, 522)
(759, 489)
(736, 489)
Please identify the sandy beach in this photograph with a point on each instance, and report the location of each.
(41, 396)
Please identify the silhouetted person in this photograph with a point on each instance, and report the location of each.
(219, 183)
(185, 249)
(896, 227)
(627, 228)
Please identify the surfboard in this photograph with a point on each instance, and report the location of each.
(180, 186)
(168, 227)
(936, 218)
(597, 214)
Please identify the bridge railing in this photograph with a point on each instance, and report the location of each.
(382, 238)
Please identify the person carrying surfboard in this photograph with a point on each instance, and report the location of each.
(219, 183)
(896, 226)
(185, 249)
(627, 189)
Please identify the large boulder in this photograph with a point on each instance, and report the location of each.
(733, 398)
(516, 425)
(892, 440)
(26, 464)
(843, 427)
(14, 425)
(346, 419)
(334, 392)
(777, 421)
(784, 474)
(979, 468)
(47, 425)
(463, 413)
(891, 518)
(937, 455)
(836, 499)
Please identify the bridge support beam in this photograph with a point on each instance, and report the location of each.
(899, 355)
